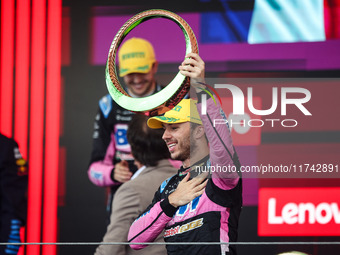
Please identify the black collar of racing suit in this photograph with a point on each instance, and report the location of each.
(193, 168)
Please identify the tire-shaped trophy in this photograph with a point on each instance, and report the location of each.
(171, 94)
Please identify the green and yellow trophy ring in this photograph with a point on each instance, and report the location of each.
(169, 96)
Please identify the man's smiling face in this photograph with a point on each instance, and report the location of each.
(177, 138)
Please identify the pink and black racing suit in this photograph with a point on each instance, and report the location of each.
(211, 217)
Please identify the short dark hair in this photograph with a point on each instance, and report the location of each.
(147, 145)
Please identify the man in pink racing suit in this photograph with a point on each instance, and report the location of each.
(111, 161)
(191, 206)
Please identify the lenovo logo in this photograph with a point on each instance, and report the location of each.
(299, 212)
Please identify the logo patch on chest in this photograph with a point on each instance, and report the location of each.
(184, 228)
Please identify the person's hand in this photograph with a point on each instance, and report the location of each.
(122, 172)
(187, 190)
(193, 66)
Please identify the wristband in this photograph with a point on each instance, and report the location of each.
(168, 208)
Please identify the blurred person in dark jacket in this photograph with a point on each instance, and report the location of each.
(13, 194)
